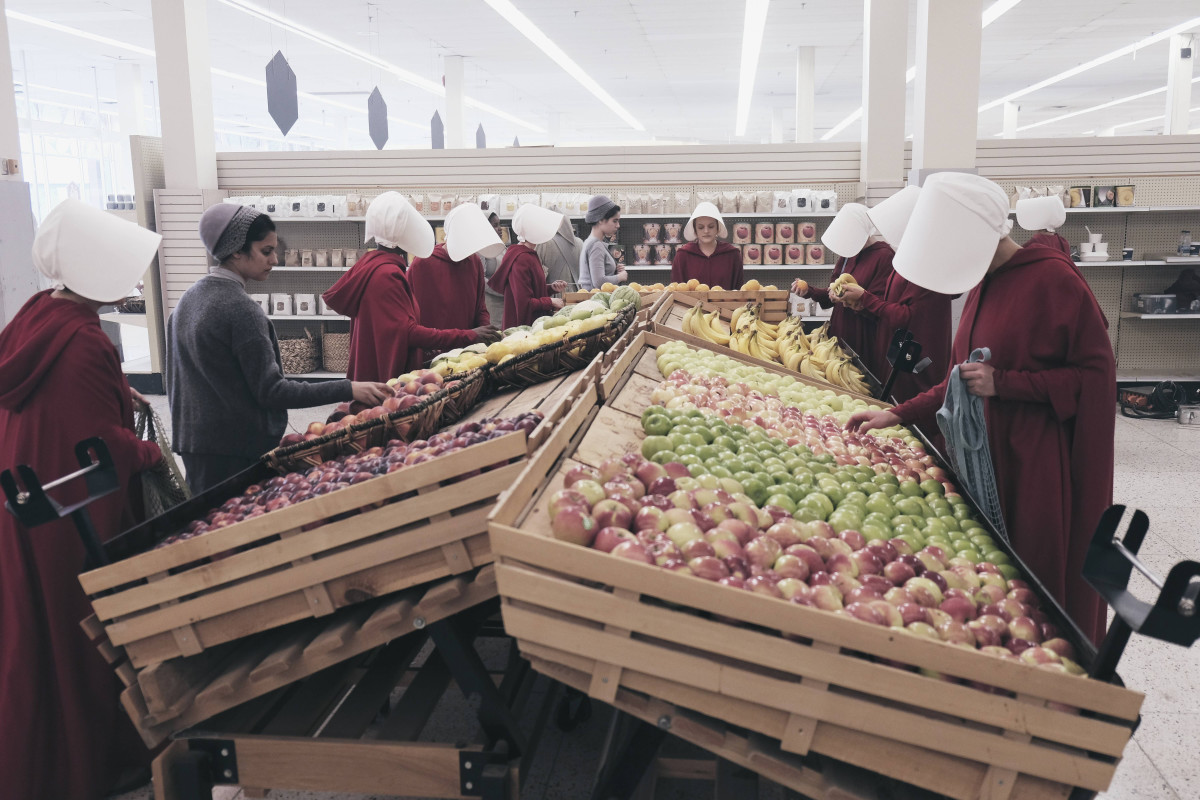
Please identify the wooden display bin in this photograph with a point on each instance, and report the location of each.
(775, 302)
(811, 681)
(668, 320)
(399, 530)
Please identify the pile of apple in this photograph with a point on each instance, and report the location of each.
(660, 514)
(348, 470)
(409, 389)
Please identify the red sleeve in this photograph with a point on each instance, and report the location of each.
(821, 296)
(434, 339)
(924, 405)
(677, 273)
(1059, 388)
(482, 317)
(102, 389)
(530, 291)
(738, 279)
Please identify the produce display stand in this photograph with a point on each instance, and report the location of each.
(668, 320)
(403, 529)
(811, 681)
(774, 301)
(324, 733)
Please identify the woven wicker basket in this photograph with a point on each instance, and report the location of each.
(463, 397)
(559, 358)
(335, 351)
(300, 356)
(419, 422)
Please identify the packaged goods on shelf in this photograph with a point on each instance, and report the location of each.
(793, 254)
(351, 257)
(752, 254)
(728, 203)
(355, 206)
(276, 206)
(306, 258)
(281, 304)
(655, 205)
(773, 254)
(323, 308)
(741, 233)
(825, 201)
(806, 232)
(328, 206)
(650, 232)
(618, 254)
(439, 234)
(417, 201)
(435, 205)
(508, 205)
(291, 258)
(250, 201)
(489, 203)
(814, 254)
(709, 197)
(781, 203)
(683, 203)
(263, 301)
(1104, 196)
(663, 254)
(641, 255)
(673, 233)
(320, 258)
(800, 201)
(306, 305)
(764, 233)
(1125, 196)
(337, 257)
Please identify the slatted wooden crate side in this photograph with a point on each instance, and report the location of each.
(233, 537)
(181, 693)
(947, 775)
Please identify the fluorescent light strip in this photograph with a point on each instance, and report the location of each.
(1102, 106)
(86, 109)
(544, 43)
(85, 95)
(1095, 62)
(752, 35)
(990, 15)
(405, 76)
(1152, 119)
(54, 26)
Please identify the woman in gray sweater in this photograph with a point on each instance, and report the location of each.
(229, 399)
(596, 264)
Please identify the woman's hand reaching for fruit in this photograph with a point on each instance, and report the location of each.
(864, 421)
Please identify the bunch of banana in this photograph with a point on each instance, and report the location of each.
(839, 284)
(706, 326)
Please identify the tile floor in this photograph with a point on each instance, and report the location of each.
(1157, 470)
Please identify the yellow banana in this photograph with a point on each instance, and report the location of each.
(710, 323)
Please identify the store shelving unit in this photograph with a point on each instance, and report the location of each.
(1135, 315)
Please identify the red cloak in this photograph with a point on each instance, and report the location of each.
(1050, 425)
(386, 335)
(1047, 239)
(449, 293)
(522, 281)
(723, 268)
(64, 733)
(870, 269)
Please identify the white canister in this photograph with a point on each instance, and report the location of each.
(306, 305)
(264, 302)
(281, 304)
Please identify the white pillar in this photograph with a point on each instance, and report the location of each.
(10, 136)
(185, 93)
(949, 34)
(554, 127)
(1179, 84)
(130, 103)
(885, 59)
(18, 277)
(776, 125)
(1010, 119)
(806, 68)
(452, 66)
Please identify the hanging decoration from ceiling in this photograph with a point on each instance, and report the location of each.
(377, 119)
(480, 138)
(437, 132)
(282, 102)
(516, 142)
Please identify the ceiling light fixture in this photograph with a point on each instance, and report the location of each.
(401, 74)
(1095, 62)
(1102, 106)
(533, 33)
(94, 37)
(752, 36)
(990, 15)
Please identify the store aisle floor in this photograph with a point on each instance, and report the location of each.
(1157, 469)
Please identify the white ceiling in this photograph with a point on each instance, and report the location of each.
(672, 63)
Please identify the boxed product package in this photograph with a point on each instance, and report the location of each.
(489, 203)
(435, 205)
(281, 304)
(785, 232)
(439, 235)
(448, 202)
(324, 310)
(708, 197)
(773, 254)
(464, 199)
(752, 254)
(276, 206)
(618, 254)
(673, 232)
(306, 258)
(291, 258)
(1104, 196)
(764, 232)
(263, 301)
(250, 201)
(825, 201)
(793, 254)
(745, 202)
(683, 203)
(741, 232)
(641, 255)
(306, 305)
(416, 200)
(299, 207)
(351, 257)
(508, 205)
(326, 206)
(527, 199)
(764, 202)
(1125, 196)
(801, 201)
(814, 254)
(1061, 193)
(355, 207)
(728, 203)
(650, 232)
(1081, 196)
(781, 202)
(806, 231)
(506, 235)
(320, 258)
(662, 255)
(337, 258)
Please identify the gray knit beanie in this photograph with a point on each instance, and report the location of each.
(223, 228)
(598, 207)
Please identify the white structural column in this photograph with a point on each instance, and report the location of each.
(452, 68)
(806, 78)
(18, 278)
(130, 103)
(776, 125)
(1179, 83)
(885, 58)
(185, 93)
(946, 124)
(1010, 119)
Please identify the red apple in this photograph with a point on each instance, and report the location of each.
(608, 538)
(1040, 655)
(611, 513)
(864, 612)
(760, 584)
(787, 532)
(956, 633)
(809, 556)
(924, 591)
(696, 548)
(911, 612)
(1024, 628)
(840, 562)
(898, 572)
(868, 563)
(647, 518)
(590, 489)
(959, 608)
(795, 590)
(634, 551)
(853, 538)
(890, 614)
(792, 566)
(683, 532)
(565, 498)
(923, 629)
(573, 524)
(826, 597)
(1025, 596)
(743, 530)
(762, 551)
(662, 486)
(580, 472)
(708, 568)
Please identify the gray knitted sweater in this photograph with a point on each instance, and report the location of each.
(224, 376)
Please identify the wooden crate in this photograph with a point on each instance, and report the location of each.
(668, 321)
(775, 303)
(399, 530)
(171, 696)
(811, 680)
